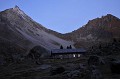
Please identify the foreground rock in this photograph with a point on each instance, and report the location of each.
(115, 67)
(95, 60)
(37, 52)
(57, 70)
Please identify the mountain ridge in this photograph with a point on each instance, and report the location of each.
(102, 29)
(15, 21)
(21, 36)
(96, 30)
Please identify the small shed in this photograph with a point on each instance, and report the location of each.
(67, 53)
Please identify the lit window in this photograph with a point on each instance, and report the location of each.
(73, 55)
(78, 55)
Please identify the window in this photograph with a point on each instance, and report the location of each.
(74, 55)
(78, 55)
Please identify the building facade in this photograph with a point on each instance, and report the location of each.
(67, 53)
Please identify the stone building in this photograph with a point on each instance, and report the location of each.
(67, 53)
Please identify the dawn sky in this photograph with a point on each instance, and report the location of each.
(64, 15)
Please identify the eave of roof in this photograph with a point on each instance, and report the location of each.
(67, 51)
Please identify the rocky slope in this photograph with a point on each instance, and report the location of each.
(19, 35)
(20, 29)
(29, 33)
(102, 29)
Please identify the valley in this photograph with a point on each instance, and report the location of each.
(25, 49)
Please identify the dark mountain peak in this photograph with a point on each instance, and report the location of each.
(101, 29)
(109, 17)
(18, 10)
(103, 21)
(16, 7)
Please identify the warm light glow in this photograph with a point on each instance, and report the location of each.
(78, 55)
(73, 55)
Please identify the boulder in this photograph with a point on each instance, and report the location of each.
(37, 52)
(95, 73)
(95, 60)
(74, 74)
(115, 67)
(57, 70)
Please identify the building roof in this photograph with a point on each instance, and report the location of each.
(67, 51)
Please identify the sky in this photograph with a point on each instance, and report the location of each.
(64, 15)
